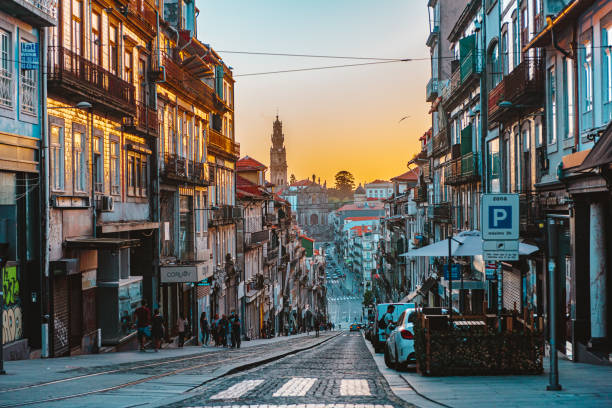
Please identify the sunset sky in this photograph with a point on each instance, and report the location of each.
(337, 119)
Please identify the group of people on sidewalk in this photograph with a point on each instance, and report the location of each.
(151, 328)
(221, 331)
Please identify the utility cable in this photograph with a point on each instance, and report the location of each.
(321, 68)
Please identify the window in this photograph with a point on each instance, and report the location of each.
(494, 165)
(137, 174)
(606, 64)
(128, 68)
(113, 49)
(56, 142)
(142, 80)
(505, 53)
(552, 106)
(231, 129)
(77, 30)
(198, 204)
(6, 77)
(78, 158)
(115, 168)
(28, 88)
(494, 66)
(224, 126)
(515, 42)
(96, 39)
(568, 97)
(98, 164)
(586, 77)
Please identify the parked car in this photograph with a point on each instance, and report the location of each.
(399, 348)
(379, 338)
(354, 327)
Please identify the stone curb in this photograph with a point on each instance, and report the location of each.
(236, 368)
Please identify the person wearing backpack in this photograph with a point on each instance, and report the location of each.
(386, 321)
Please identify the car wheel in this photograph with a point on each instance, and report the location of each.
(388, 362)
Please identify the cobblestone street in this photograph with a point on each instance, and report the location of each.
(340, 371)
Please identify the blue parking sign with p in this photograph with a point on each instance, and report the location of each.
(500, 216)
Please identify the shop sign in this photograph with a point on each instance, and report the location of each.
(182, 273)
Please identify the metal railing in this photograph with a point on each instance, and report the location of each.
(496, 95)
(49, 7)
(526, 78)
(6, 88)
(432, 89)
(146, 117)
(440, 142)
(65, 65)
(224, 143)
(143, 14)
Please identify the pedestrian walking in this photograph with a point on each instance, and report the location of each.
(223, 330)
(214, 330)
(204, 327)
(157, 330)
(317, 323)
(181, 324)
(142, 315)
(235, 324)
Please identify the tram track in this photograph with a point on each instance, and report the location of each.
(254, 361)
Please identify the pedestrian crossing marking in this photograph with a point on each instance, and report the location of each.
(354, 387)
(298, 406)
(237, 390)
(295, 387)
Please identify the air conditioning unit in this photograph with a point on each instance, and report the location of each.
(106, 203)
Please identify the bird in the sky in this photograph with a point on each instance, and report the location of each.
(405, 117)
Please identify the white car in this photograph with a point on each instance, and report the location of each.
(399, 348)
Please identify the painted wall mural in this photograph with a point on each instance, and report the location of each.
(12, 321)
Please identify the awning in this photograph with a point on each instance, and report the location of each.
(600, 154)
(574, 160)
(101, 243)
(112, 227)
(421, 290)
(252, 295)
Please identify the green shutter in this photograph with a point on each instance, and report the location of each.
(219, 80)
(467, 55)
(466, 140)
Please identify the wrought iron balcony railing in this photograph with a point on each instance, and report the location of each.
(440, 142)
(432, 90)
(74, 76)
(216, 139)
(38, 13)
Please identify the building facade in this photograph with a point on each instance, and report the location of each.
(23, 26)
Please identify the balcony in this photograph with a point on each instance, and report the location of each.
(38, 13)
(420, 194)
(183, 81)
(144, 123)
(440, 142)
(143, 16)
(435, 32)
(75, 78)
(468, 65)
(462, 170)
(181, 169)
(496, 95)
(223, 143)
(432, 90)
(226, 214)
(439, 212)
(252, 239)
(524, 87)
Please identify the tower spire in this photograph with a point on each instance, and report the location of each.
(278, 155)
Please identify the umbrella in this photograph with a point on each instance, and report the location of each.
(466, 243)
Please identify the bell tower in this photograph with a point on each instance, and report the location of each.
(278, 155)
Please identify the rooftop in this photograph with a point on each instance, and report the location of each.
(249, 164)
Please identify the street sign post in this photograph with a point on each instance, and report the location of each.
(500, 227)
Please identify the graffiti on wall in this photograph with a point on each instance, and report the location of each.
(12, 321)
(61, 332)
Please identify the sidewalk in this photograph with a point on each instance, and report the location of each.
(22, 373)
(584, 385)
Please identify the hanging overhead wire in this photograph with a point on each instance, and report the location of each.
(320, 68)
(284, 54)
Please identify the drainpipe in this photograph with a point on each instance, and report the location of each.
(163, 68)
(44, 198)
(483, 126)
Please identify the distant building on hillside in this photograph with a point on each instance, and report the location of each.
(379, 189)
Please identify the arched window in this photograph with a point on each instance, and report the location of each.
(314, 219)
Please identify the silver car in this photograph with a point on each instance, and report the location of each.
(399, 348)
